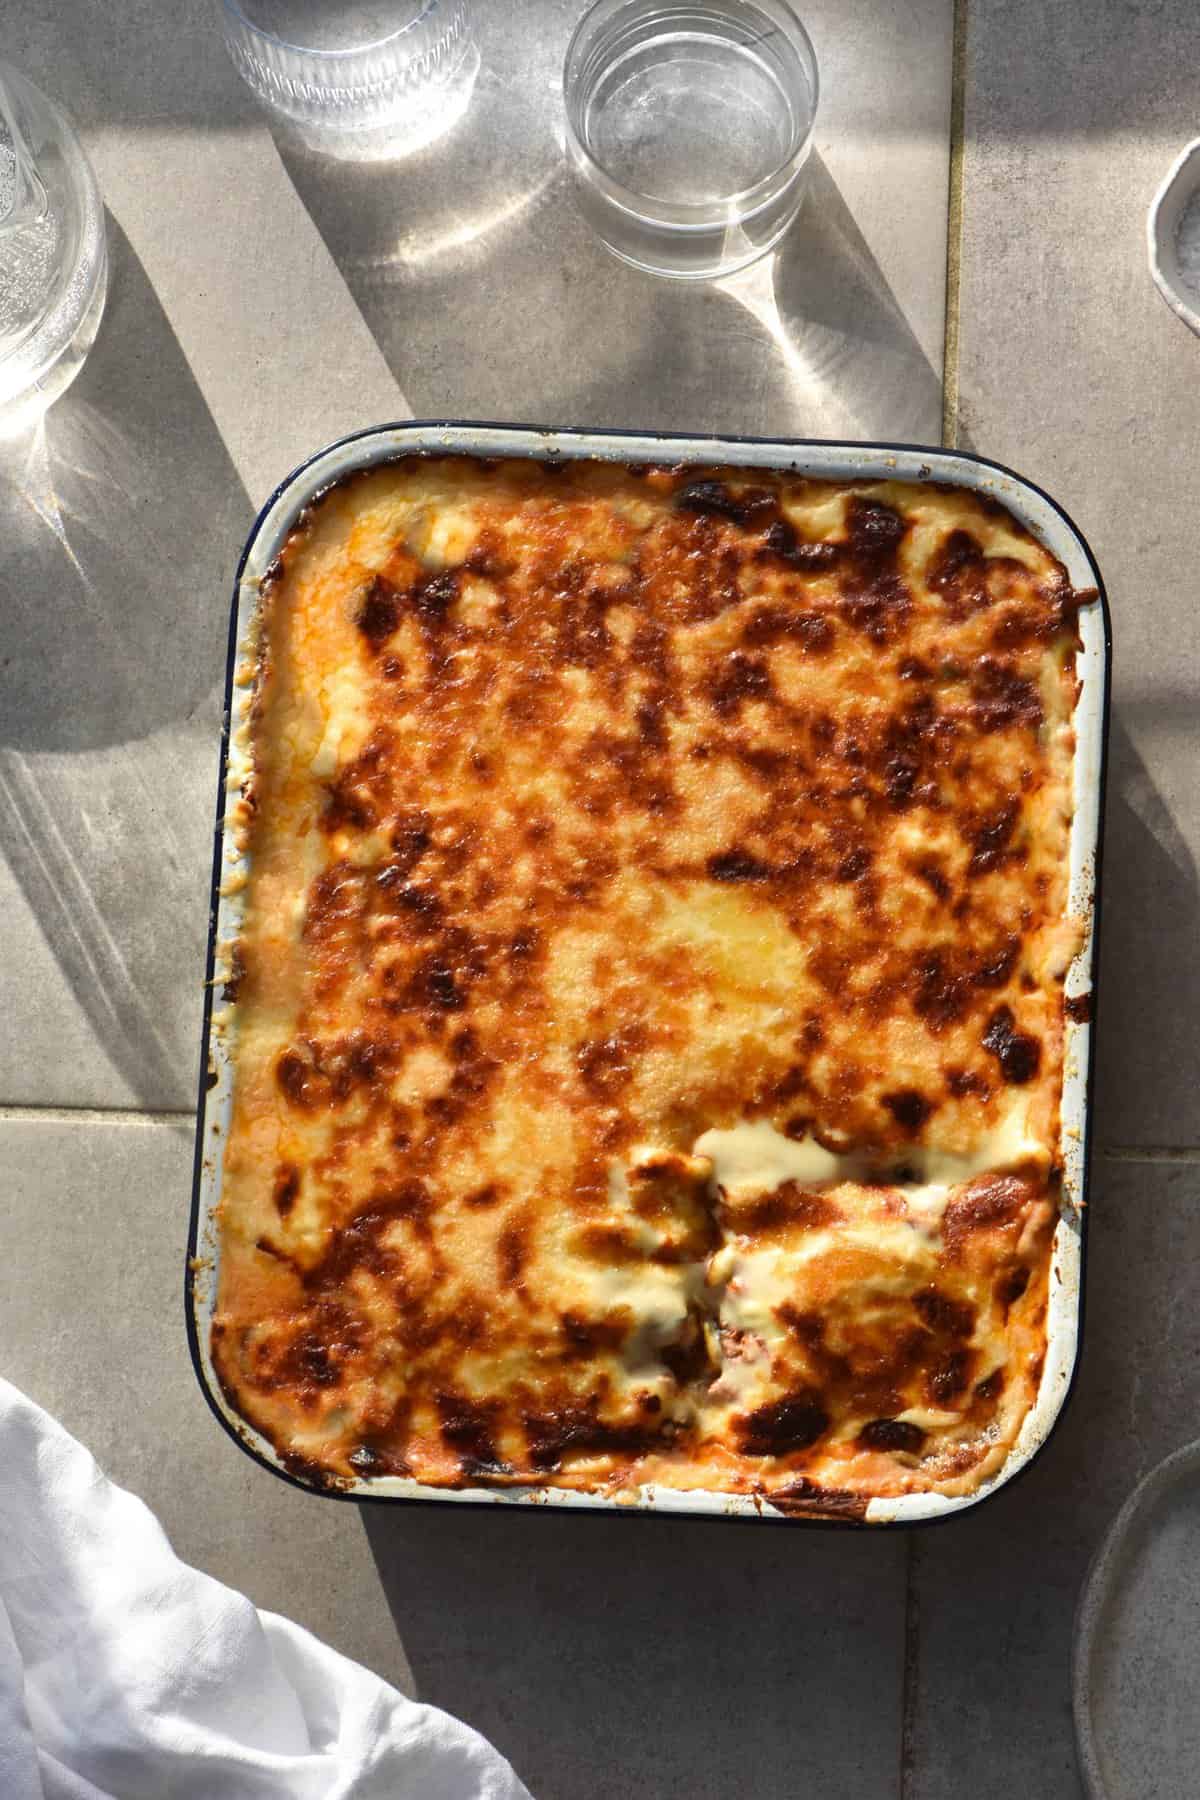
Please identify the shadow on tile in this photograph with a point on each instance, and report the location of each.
(1149, 993)
(638, 1656)
(844, 328)
(122, 502)
(997, 1591)
(819, 348)
(121, 518)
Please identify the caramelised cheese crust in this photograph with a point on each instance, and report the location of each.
(650, 1018)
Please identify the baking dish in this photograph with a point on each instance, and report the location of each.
(827, 461)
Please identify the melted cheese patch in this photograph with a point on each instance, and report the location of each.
(649, 1035)
(754, 1157)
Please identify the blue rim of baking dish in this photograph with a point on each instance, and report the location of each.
(546, 1500)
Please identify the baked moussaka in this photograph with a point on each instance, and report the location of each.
(649, 1016)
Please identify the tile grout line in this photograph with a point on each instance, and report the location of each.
(911, 1671)
(93, 1115)
(1152, 1153)
(135, 1115)
(954, 224)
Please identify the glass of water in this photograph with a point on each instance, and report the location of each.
(688, 126)
(53, 260)
(357, 78)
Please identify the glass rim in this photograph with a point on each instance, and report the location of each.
(235, 12)
(685, 212)
(49, 336)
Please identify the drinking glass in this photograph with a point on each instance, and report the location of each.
(357, 78)
(688, 126)
(53, 261)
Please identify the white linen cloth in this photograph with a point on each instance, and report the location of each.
(126, 1675)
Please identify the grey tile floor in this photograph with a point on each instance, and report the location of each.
(648, 1657)
(606, 1659)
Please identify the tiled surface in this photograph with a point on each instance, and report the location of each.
(1075, 372)
(263, 302)
(46, 1030)
(92, 1227)
(121, 522)
(685, 1660)
(605, 1658)
(490, 298)
(996, 1593)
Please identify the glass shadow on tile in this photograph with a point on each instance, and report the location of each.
(122, 518)
(490, 297)
(996, 1591)
(688, 1660)
(1148, 1011)
(842, 327)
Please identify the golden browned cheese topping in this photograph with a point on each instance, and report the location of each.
(649, 1032)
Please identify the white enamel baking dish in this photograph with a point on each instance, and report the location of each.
(1051, 526)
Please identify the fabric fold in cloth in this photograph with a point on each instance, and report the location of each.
(127, 1675)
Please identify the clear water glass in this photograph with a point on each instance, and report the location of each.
(688, 126)
(357, 78)
(53, 255)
